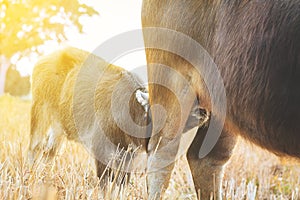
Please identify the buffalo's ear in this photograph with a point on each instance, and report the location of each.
(143, 99)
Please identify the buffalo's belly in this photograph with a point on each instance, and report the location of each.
(268, 116)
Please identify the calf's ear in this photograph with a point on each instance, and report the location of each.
(143, 99)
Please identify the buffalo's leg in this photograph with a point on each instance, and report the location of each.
(55, 139)
(208, 172)
(160, 167)
(158, 182)
(43, 144)
(40, 123)
(162, 164)
(101, 169)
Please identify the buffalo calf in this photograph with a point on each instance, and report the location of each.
(81, 97)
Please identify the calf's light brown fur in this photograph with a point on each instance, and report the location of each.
(72, 92)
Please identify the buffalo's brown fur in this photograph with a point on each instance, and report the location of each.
(256, 47)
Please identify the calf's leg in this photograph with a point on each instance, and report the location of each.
(55, 139)
(39, 125)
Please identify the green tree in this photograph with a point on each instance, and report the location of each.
(28, 24)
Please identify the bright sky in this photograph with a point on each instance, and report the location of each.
(116, 17)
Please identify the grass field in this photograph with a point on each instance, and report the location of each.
(251, 173)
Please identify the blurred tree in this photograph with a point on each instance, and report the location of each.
(15, 84)
(27, 24)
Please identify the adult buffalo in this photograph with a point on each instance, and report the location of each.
(256, 48)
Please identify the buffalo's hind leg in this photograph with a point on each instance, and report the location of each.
(55, 139)
(208, 172)
(39, 125)
(42, 143)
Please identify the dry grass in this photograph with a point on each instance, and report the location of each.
(251, 174)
